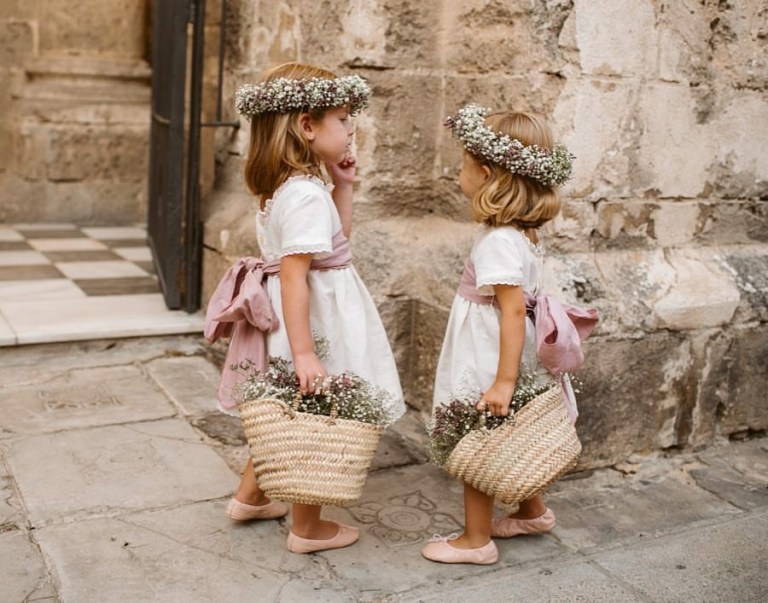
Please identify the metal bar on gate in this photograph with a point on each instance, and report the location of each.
(192, 226)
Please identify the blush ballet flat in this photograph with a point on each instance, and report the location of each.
(439, 549)
(242, 512)
(344, 537)
(507, 527)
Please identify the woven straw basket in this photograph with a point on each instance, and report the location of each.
(522, 457)
(304, 458)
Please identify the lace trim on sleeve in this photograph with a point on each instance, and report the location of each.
(486, 287)
(299, 249)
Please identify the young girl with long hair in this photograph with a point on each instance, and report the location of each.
(300, 129)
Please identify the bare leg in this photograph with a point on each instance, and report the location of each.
(248, 491)
(307, 523)
(530, 508)
(478, 515)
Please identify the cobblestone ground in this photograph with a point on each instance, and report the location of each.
(115, 471)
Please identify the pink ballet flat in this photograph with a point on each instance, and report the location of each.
(242, 512)
(344, 537)
(439, 549)
(507, 527)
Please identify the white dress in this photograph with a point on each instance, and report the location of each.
(470, 353)
(302, 218)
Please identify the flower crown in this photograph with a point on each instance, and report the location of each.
(550, 168)
(283, 95)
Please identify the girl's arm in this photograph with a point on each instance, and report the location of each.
(295, 298)
(343, 175)
(511, 300)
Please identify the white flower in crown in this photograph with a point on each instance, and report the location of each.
(550, 168)
(283, 95)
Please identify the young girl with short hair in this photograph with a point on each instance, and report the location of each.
(301, 126)
(511, 170)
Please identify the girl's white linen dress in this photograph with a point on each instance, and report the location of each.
(470, 354)
(302, 218)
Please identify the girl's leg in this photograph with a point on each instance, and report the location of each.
(307, 523)
(478, 516)
(310, 534)
(475, 544)
(531, 517)
(250, 502)
(248, 491)
(530, 508)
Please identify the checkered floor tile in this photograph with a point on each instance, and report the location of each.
(97, 261)
(81, 270)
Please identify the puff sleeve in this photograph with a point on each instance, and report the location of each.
(497, 261)
(305, 222)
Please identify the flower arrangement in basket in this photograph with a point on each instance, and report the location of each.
(512, 457)
(310, 449)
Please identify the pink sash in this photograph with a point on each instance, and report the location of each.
(240, 308)
(560, 329)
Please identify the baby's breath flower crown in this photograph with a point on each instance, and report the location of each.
(283, 95)
(550, 168)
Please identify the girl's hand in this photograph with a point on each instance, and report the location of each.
(344, 172)
(498, 398)
(313, 378)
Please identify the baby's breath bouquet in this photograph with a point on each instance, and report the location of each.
(458, 417)
(352, 396)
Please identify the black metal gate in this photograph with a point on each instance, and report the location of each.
(173, 222)
(174, 226)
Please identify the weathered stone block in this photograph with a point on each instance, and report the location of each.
(87, 202)
(408, 258)
(17, 41)
(625, 224)
(613, 37)
(229, 225)
(118, 153)
(675, 223)
(604, 142)
(97, 27)
(703, 295)
(728, 222)
(407, 100)
(660, 164)
(634, 279)
(742, 393)
(478, 42)
(416, 330)
(748, 267)
(741, 156)
(631, 393)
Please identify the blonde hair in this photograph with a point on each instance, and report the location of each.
(277, 147)
(506, 198)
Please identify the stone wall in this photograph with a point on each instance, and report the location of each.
(665, 225)
(74, 110)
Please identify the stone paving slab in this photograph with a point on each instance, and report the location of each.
(34, 363)
(24, 575)
(400, 511)
(736, 473)
(609, 507)
(725, 562)
(116, 468)
(256, 549)
(10, 513)
(190, 382)
(576, 580)
(113, 560)
(83, 398)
